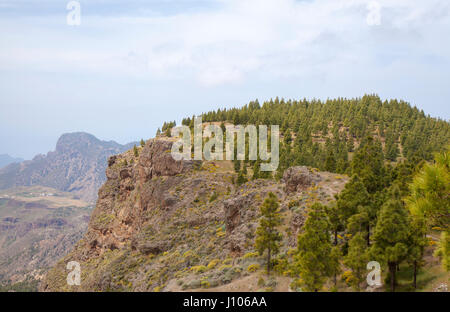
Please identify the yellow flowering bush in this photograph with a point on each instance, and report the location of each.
(250, 255)
(213, 264)
(199, 269)
(253, 268)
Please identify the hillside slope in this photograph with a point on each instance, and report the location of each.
(324, 134)
(160, 222)
(38, 226)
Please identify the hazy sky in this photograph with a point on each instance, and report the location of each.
(130, 65)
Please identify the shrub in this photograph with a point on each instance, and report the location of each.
(103, 220)
(195, 284)
(205, 284)
(261, 282)
(199, 269)
(293, 203)
(220, 234)
(213, 264)
(272, 283)
(214, 283)
(250, 255)
(348, 277)
(253, 268)
(213, 197)
(225, 267)
(188, 254)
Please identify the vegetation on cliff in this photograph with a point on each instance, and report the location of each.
(166, 225)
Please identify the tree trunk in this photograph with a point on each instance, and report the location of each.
(268, 262)
(415, 274)
(392, 270)
(368, 235)
(335, 238)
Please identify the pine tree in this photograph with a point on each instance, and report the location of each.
(391, 235)
(135, 151)
(142, 143)
(256, 170)
(313, 259)
(360, 223)
(335, 264)
(368, 164)
(430, 200)
(351, 198)
(357, 259)
(237, 165)
(330, 162)
(267, 236)
(241, 178)
(335, 221)
(429, 192)
(391, 150)
(443, 250)
(351, 120)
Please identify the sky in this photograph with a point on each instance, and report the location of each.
(131, 65)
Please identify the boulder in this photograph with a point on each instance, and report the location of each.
(125, 173)
(156, 160)
(152, 247)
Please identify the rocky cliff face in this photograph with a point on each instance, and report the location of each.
(77, 166)
(161, 224)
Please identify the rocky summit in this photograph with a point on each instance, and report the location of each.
(166, 225)
(77, 165)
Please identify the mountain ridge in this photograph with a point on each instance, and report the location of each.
(76, 165)
(6, 159)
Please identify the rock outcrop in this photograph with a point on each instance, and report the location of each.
(298, 179)
(158, 220)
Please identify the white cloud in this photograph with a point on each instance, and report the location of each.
(227, 44)
(374, 14)
(133, 64)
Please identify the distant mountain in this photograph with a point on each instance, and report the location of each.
(38, 225)
(77, 165)
(5, 160)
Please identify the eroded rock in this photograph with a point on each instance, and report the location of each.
(299, 178)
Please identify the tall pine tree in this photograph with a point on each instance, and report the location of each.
(267, 236)
(391, 235)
